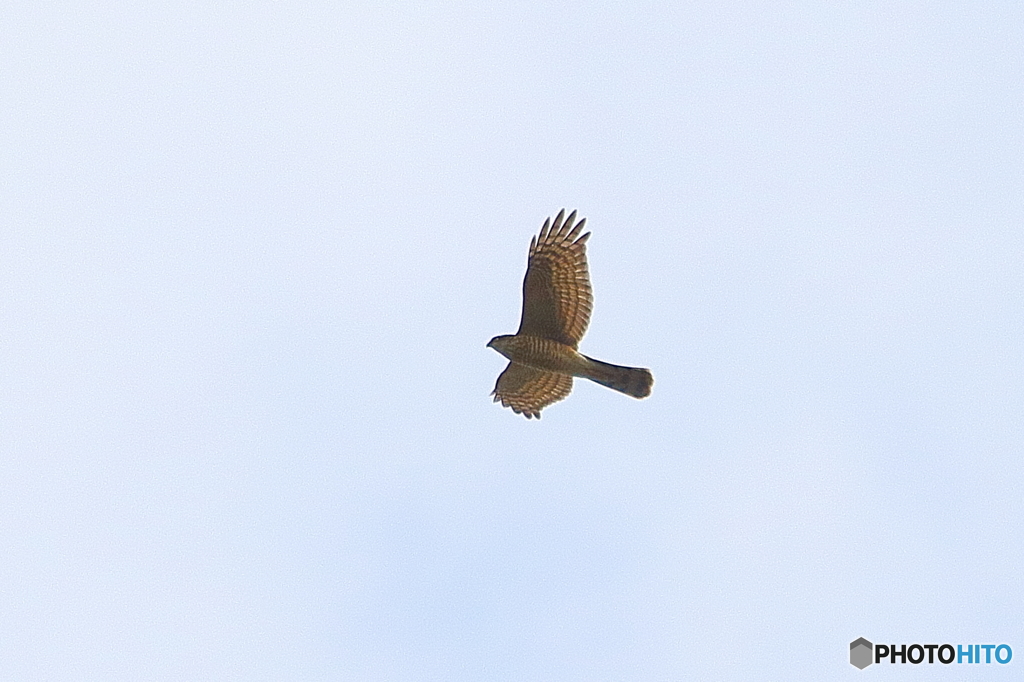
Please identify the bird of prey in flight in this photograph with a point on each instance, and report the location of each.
(557, 300)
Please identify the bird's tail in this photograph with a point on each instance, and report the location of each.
(633, 381)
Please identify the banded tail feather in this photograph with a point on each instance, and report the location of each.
(633, 381)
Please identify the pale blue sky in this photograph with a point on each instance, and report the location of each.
(251, 254)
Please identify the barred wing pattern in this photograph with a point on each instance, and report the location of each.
(557, 298)
(527, 390)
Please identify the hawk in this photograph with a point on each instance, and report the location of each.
(556, 311)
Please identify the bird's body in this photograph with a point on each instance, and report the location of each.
(540, 353)
(557, 301)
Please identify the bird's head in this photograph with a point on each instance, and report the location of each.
(499, 343)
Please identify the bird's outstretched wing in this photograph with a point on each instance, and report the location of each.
(557, 297)
(527, 390)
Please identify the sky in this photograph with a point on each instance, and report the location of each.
(251, 255)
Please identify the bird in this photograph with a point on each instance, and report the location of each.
(557, 301)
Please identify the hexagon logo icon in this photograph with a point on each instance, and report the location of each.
(861, 651)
